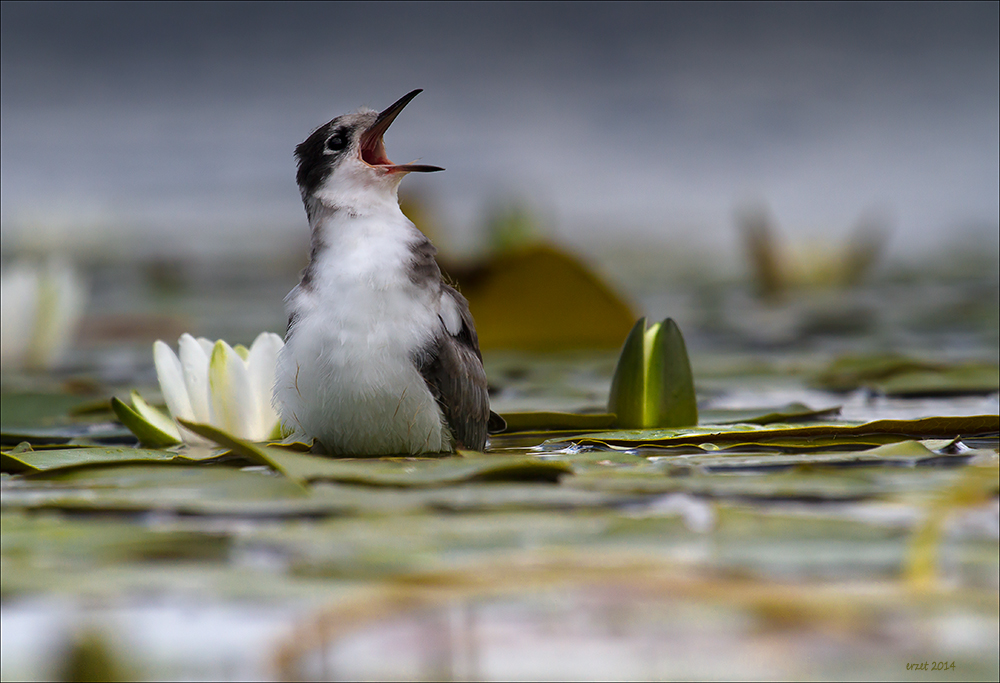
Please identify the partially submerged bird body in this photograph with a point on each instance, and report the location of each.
(381, 356)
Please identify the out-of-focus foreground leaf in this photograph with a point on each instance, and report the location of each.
(90, 656)
(977, 485)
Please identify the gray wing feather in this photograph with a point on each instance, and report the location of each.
(452, 367)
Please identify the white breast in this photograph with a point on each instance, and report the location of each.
(346, 375)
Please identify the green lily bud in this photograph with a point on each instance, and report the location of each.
(653, 385)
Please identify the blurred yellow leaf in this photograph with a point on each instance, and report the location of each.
(540, 298)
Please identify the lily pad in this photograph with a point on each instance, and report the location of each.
(260, 455)
(469, 497)
(21, 409)
(70, 434)
(807, 483)
(954, 381)
(303, 467)
(41, 460)
(14, 465)
(41, 418)
(541, 421)
(189, 489)
(791, 436)
(790, 412)
(97, 542)
(898, 375)
(418, 472)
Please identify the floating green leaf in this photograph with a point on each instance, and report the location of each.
(416, 472)
(898, 375)
(556, 421)
(42, 460)
(791, 436)
(46, 419)
(14, 465)
(850, 372)
(22, 409)
(260, 455)
(81, 433)
(827, 478)
(542, 421)
(964, 379)
(653, 385)
(790, 412)
(168, 486)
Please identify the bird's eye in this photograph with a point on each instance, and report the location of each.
(336, 142)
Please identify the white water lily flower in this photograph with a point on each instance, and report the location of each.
(40, 308)
(217, 384)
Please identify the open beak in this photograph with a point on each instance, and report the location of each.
(373, 149)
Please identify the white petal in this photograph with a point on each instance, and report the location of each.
(171, 377)
(261, 366)
(18, 310)
(71, 299)
(206, 345)
(194, 363)
(41, 308)
(62, 297)
(234, 407)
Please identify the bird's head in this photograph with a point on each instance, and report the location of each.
(343, 162)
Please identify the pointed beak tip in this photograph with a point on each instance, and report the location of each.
(416, 168)
(386, 116)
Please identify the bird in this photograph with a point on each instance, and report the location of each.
(381, 355)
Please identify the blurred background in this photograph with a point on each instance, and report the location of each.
(169, 127)
(664, 144)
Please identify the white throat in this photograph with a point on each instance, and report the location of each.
(358, 188)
